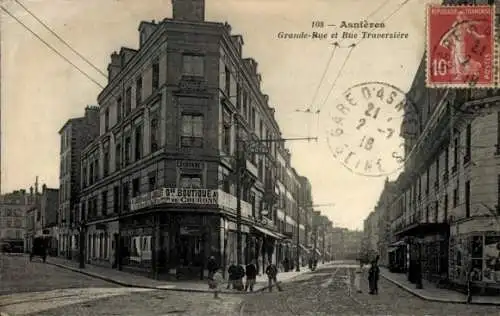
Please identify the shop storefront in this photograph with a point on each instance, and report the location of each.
(397, 256)
(171, 233)
(478, 252)
(426, 251)
(99, 243)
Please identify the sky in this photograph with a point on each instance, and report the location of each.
(41, 91)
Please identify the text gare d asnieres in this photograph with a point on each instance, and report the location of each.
(349, 30)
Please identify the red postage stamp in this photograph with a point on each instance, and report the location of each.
(460, 46)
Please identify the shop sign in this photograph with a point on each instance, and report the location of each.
(190, 164)
(175, 196)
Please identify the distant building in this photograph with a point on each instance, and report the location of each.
(76, 134)
(13, 207)
(42, 218)
(352, 243)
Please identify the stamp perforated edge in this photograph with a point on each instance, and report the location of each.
(495, 29)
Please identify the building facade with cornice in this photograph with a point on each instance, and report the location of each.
(158, 190)
(445, 215)
(75, 135)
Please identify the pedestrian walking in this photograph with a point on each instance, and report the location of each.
(272, 276)
(471, 275)
(215, 281)
(238, 278)
(212, 266)
(357, 277)
(251, 273)
(232, 272)
(373, 275)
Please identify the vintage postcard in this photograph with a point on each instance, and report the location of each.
(249, 157)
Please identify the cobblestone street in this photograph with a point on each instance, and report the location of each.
(18, 274)
(327, 294)
(324, 292)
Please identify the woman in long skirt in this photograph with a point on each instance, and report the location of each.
(357, 277)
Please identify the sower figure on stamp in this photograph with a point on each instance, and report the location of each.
(455, 40)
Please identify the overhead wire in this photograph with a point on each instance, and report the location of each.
(61, 39)
(327, 66)
(351, 47)
(52, 48)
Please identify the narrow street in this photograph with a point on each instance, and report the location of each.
(326, 293)
(323, 292)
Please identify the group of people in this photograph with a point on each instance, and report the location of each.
(373, 277)
(236, 274)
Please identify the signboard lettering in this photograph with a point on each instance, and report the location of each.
(175, 196)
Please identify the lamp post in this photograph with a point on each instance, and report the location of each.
(81, 230)
(240, 160)
(297, 269)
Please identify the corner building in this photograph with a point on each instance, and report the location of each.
(158, 184)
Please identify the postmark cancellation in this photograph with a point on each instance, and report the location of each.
(461, 51)
(367, 126)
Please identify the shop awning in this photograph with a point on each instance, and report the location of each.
(392, 249)
(266, 231)
(398, 243)
(304, 248)
(422, 229)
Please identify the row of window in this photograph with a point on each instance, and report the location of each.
(193, 65)
(11, 212)
(11, 234)
(64, 190)
(65, 166)
(11, 222)
(130, 148)
(247, 108)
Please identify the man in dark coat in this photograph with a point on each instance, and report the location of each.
(251, 273)
(373, 275)
(233, 274)
(212, 266)
(272, 276)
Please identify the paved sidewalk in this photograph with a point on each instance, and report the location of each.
(133, 280)
(430, 292)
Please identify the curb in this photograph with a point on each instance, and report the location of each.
(98, 276)
(436, 299)
(125, 284)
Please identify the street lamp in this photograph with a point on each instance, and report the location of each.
(81, 231)
(297, 269)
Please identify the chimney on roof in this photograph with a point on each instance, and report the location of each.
(114, 66)
(188, 10)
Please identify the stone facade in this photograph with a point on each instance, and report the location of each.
(75, 135)
(173, 118)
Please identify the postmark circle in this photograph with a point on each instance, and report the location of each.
(367, 128)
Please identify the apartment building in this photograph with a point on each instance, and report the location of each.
(41, 217)
(178, 116)
(13, 207)
(445, 212)
(75, 135)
